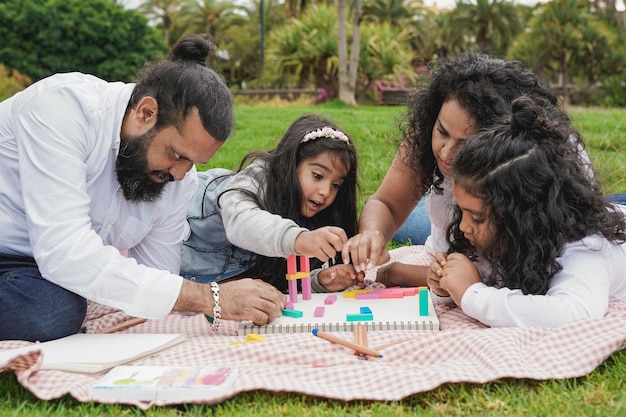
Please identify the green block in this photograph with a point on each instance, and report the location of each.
(359, 317)
(292, 313)
(423, 302)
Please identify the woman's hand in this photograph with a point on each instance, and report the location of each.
(365, 250)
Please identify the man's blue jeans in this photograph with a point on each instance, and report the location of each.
(31, 307)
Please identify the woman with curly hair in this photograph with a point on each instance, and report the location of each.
(463, 94)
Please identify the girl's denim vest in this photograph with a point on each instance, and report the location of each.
(207, 255)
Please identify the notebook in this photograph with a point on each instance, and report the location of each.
(171, 383)
(92, 353)
(389, 309)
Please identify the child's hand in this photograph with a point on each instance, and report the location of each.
(435, 272)
(460, 273)
(322, 243)
(339, 277)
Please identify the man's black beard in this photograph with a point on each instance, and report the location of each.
(133, 171)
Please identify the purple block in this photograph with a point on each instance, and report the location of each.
(319, 311)
(368, 296)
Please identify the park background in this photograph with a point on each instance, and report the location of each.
(579, 46)
(351, 50)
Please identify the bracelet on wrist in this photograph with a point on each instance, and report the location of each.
(217, 309)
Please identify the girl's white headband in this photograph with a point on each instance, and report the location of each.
(325, 132)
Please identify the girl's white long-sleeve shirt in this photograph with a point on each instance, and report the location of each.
(593, 274)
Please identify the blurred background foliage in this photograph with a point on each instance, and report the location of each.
(578, 45)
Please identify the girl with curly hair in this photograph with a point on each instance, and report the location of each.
(533, 241)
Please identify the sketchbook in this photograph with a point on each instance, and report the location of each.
(171, 383)
(380, 309)
(92, 353)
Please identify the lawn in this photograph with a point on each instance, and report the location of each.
(602, 393)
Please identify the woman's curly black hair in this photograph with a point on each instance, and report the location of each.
(485, 87)
(538, 193)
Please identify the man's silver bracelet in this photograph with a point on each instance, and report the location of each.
(217, 309)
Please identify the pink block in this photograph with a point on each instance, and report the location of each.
(368, 296)
(319, 311)
(391, 294)
(289, 305)
(293, 290)
(291, 264)
(306, 288)
(305, 265)
(410, 291)
(330, 299)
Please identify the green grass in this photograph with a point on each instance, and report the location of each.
(601, 393)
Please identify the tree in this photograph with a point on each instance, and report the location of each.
(394, 12)
(564, 35)
(304, 51)
(211, 16)
(98, 37)
(163, 12)
(240, 57)
(491, 22)
(348, 69)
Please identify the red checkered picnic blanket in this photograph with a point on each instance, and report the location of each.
(413, 361)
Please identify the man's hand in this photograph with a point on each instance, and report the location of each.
(240, 299)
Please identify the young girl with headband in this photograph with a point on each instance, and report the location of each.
(533, 242)
(299, 198)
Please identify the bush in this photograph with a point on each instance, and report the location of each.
(11, 82)
(99, 37)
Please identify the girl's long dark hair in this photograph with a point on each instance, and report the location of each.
(539, 197)
(282, 193)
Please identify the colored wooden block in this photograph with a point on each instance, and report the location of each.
(297, 275)
(368, 296)
(331, 299)
(296, 314)
(319, 311)
(366, 310)
(306, 287)
(305, 264)
(253, 337)
(391, 294)
(291, 265)
(353, 293)
(410, 291)
(423, 301)
(359, 317)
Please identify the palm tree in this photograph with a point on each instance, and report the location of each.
(493, 23)
(565, 35)
(395, 12)
(348, 68)
(211, 16)
(434, 35)
(161, 11)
